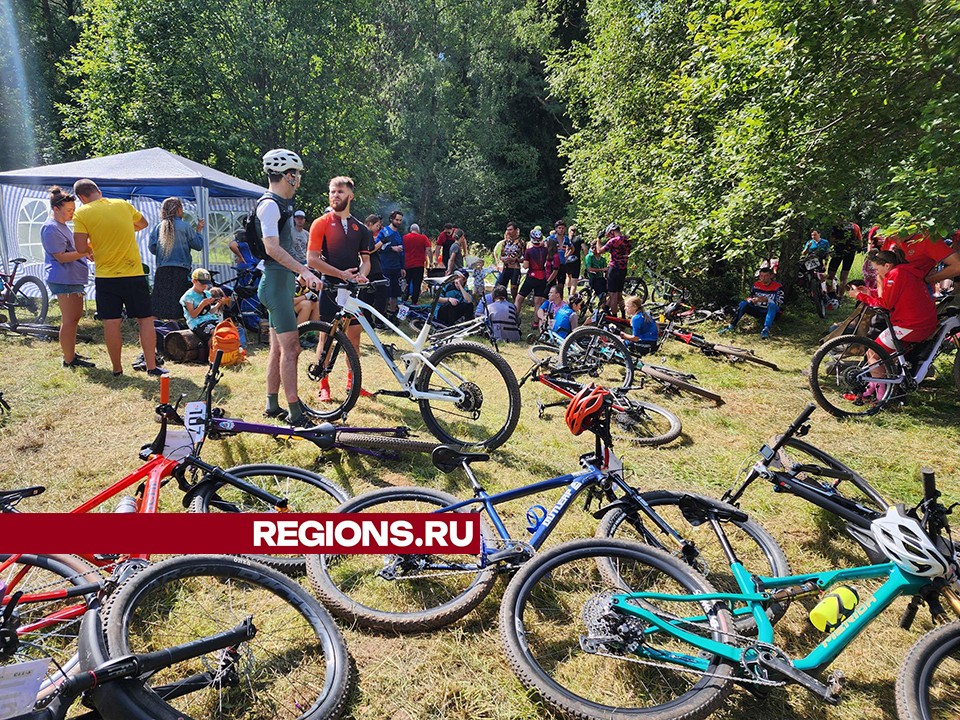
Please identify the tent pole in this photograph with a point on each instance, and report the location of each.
(3, 232)
(203, 209)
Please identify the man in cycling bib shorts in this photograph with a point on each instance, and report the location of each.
(339, 248)
(535, 262)
(618, 245)
(279, 282)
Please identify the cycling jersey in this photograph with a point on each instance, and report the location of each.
(562, 321)
(619, 248)
(536, 259)
(338, 245)
(772, 292)
(820, 248)
(644, 327)
(920, 250)
(390, 259)
(905, 295)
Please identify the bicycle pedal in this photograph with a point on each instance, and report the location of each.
(835, 682)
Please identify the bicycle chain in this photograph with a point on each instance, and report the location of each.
(495, 542)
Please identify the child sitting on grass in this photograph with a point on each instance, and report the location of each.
(644, 330)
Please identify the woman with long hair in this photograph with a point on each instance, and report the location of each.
(66, 272)
(171, 241)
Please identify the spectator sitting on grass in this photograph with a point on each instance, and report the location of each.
(203, 305)
(643, 328)
(765, 301)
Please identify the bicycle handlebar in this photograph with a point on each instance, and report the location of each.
(793, 428)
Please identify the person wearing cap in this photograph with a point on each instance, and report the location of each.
(455, 302)
(416, 251)
(618, 245)
(203, 307)
(765, 302)
(535, 263)
(109, 228)
(300, 236)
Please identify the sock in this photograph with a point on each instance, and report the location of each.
(273, 402)
(296, 411)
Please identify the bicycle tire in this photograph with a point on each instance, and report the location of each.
(820, 301)
(642, 423)
(39, 638)
(501, 394)
(600, 352)
(385, 442)
(636, 286)
(349, 584)
(757, 549)
(544, 352)
(32, 308)
(305, 491)
(785, 458)
(339, 373)
(297, 660)
(843, 359)
(667, 377)
(743, 354)
(564, 592)
(928, 683)
(956, 371)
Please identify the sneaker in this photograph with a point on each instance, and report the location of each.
(853, 397)
(278, 414)
(324, 394)
(158, 372)
(365, 393)
(764, 334)
(78, 362)
(140, 364)
(727, 329)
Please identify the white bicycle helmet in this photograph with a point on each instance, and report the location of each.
(280, 160)
(903, 540)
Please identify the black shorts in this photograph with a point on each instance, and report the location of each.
(538, 288)
(573, 269)
(616, 279)
(116, 293)
(394, 289)
(329, 307)
(843, 261)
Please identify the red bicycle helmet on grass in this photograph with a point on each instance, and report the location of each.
(586, 408)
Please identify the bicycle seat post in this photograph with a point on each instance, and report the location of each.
(474, 483)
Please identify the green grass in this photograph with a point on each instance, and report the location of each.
(77, 432)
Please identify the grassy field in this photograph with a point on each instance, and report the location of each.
(77, 432)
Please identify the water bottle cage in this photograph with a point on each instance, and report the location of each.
(535, 517)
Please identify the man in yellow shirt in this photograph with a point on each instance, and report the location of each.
(108, 227)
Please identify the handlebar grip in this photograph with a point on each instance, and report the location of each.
(164, 389)
(216, 362)
(929, 483)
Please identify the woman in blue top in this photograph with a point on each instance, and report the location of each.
(567, 318)
(171, 241)
(66, 273)
(643, 328)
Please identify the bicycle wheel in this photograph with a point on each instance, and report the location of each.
(339, 372)
(840, 372)
(29, 301)
(601, 353)
(676, 381)
(304, 491)
(400, 593)
(956, 371)
(48, 628)
(928, 684)
(487, 412)
(636, 286)
(735, 353)
(385, 442)
(296, 667)
(643, 423)
(855, 489)
(754, 546)
(565, 640)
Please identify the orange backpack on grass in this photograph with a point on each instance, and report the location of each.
(226, 338)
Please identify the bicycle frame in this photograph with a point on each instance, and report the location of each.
(897, 584)
(415, 359)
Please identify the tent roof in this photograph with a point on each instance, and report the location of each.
(153, 173)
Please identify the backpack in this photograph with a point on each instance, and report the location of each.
(226, 338)
(253, 233)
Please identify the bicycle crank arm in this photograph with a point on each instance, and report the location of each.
(829, 693)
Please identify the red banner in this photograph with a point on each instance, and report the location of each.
(255, 533)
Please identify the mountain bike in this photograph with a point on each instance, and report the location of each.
(600, 351)
(640, 423)
(811, 282)
(845, 367)
(24, 300)
(417, 592)
(212, 636)
(672, 331)
(467, 394)
(606, 629)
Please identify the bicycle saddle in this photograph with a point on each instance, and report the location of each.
(700, 510)
(12, 497)
(447, 459)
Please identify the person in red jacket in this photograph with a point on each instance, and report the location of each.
(903, 292)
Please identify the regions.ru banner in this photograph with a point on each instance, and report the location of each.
(239, 533)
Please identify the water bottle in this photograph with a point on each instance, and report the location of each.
(127, 504)
(535, 517)
(833, 608)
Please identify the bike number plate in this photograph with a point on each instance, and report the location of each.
(812, 264)
(194, 420)
(19, 685)
(402, 312)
